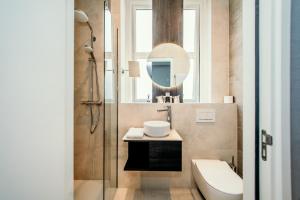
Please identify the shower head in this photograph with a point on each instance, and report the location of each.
(88, 49)
(81, 16)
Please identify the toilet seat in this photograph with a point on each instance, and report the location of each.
(216, 180)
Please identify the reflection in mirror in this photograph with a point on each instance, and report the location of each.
(168, 65)
(160, 71)
(108, 64)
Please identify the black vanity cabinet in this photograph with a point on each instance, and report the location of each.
(155, 154)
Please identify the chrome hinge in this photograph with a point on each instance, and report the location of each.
(266, 139)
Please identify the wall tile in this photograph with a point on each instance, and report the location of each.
(88, 149)
(236, 68)
(200, 141)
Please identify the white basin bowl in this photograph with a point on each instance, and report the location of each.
(157, 128)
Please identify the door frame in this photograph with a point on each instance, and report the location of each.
(281, 95)
(281, 107)
(69, 101)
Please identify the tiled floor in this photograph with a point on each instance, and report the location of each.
(88, 190)
(154, 194)
(92, 190)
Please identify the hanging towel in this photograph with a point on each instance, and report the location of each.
(135, 133)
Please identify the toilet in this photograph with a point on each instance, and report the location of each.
(216, 180)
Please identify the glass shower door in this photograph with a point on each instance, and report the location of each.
(110, 108)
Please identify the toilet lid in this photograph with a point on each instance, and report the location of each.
(220, 176)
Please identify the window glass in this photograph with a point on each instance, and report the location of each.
(109, 84)
(108, 32)
(143, 30)
(189, 24)
(188, 84)
(143, 44)
(143, 83)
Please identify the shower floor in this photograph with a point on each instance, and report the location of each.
(88, 189)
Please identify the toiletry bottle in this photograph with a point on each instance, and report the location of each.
(148, 98)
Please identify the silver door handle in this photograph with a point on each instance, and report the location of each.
(266, 140)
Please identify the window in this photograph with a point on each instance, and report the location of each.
(109, 83)
(142, 46)
(143, 30)
(189, 44)
(143, 86)
(189, 29)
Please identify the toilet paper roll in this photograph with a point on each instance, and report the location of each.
(228, 99)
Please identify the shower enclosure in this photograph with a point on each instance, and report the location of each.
(95, 101)
(110, 106)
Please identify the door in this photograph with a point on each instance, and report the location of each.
(110, 107)
(265, 96)
(274, 95)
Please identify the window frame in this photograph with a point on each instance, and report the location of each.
(137, 55)
(143, 55)
(196, 54)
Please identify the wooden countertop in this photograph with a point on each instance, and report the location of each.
(173, 136)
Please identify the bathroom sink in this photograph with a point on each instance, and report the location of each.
(157, 128)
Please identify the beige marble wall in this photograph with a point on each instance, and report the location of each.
(236, 70)
(204, 140)
(88, 149)
(220, 50)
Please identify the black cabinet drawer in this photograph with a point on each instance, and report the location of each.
(165, 164)
(168, 150)
(154, 156)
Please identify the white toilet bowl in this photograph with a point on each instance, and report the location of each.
(216, 180)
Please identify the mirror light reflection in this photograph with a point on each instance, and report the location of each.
(168, 65)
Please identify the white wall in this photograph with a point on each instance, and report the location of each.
(36, 104)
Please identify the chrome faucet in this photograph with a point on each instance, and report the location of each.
(169, 110)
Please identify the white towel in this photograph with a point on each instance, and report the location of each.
(135, 133)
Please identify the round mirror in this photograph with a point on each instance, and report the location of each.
(168, 65)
